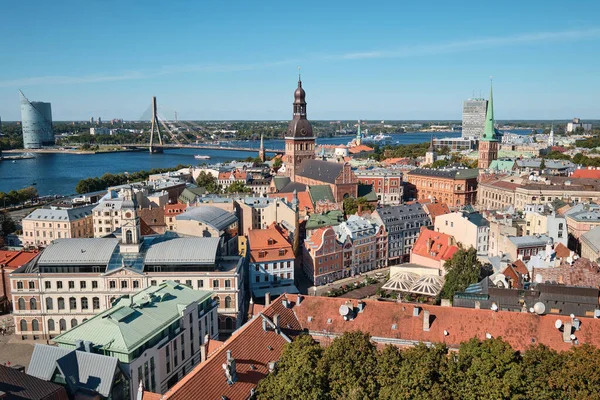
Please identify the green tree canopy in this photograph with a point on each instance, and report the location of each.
(351, 205)
(208, 182)
(462, 270)
(238, 187)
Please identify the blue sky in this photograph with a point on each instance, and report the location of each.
(238, 60)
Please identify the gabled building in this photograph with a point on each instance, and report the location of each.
(44, 225)
(339, 176)
(469, 228)
(433, 249)
(262, 212)
(435, 209)
(158, 334)
(272, 262)
(360, 238)
(9, 262)
(403, 224)
(323, 256)
(82, 373)
(17, 385)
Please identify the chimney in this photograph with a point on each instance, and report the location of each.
(277, 321)
(299, 300)
(264, 324)
(429, 243)
(450, 240)
(361, 306)
(567, 331)
(79, 345)
(206, 342)
(229, 367)
(426, 321)
(88, 346)
(267, 299)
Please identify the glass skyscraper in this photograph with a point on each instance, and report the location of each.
(36, 120)
(473, 120)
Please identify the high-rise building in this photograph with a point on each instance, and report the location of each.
(488, 144)
(473, 120)
(36, 118)
(99, 121)
(299, 139)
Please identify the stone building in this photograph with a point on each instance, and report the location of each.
(454, 186)
(44, 225)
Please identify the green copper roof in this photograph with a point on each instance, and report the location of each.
(368, 192)
(502, 165)
(132, 322)
(330, 218)
(490, 134)
(321, 193)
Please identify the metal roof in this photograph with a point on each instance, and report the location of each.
(528, 241)
(79, 251)
(322, 171)
(60, 215)
(186, 250)
(154, 309)
(453, 173)
(215, 217)
(592, 238)
(78, 365)
(15, 384)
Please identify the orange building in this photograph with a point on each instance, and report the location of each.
(454, 186)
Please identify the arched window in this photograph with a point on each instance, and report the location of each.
(23, 325)
(72, 303)
(73, 323)
(49, 304)
(95, 303)
(84, 303)
(21, 303)
(32, 304)
(228, 323)
(228, 302)
(62, 324)
(51, 326)
(128, 237)
(35, 325)
(61, 303)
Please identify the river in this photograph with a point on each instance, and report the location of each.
(59, 173)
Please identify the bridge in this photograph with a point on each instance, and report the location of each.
(199, 147)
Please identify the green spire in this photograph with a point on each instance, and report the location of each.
(489, 133)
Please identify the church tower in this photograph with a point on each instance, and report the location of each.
(261, 151)
(488, 143)
(131, 236)
(430, 155)
(299, 139)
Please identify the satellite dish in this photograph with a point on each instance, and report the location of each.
(540, 308)
(531, 310)
(538, 278)
(558, 324)
(494, 307)
(573, 337)
(344, 310)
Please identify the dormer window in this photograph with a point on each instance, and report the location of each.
(262, 253)
(271, 242)
(281, 252)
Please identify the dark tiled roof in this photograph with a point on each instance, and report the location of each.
(291, 186)
(20, 386)
(367, 192)
(319, 170)
(458, 173)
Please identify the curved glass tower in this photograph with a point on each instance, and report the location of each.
(36, 120)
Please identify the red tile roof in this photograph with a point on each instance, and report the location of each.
(435, 209)
(251, 347)
(441, 246)
(304, 201)
(583, 272)
(520, 267)
(16, 259)
(562, 251)
(152, 216)
(586, 173)
(268, 242)
(461, 324)
(359, 149)
(175, 209)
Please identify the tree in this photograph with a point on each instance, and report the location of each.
(543, 165)
(238, 187)
(579, 375)
(462, 270)
(277, 164)
(208, 182)
(297, 375)
(350, 366)
(352, 204)
(539, 365)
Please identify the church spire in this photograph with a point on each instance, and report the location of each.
(261, 150)
(489, 133)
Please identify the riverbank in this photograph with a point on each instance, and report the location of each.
(71, 151)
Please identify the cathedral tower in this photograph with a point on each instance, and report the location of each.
(299, 139)
(488, 143)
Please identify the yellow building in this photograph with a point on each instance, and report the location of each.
(44, 225)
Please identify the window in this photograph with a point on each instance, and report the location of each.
(215, 284)
(59, 285)
(123, 284)
(72, 303)
(82, 284)
(32, 304)
(257, 267)
(257, 279)
(228, 302)
(51, 325)
(35, 325)
(84, 303)
(71, 285)
(19, 285)
(23, 325)
(112, 284)
(227, 283)
(200, 283)
(21, 303)
(31, 285)
(62, 324)
(47, 285)
(73, 323)
(95, 303)
(136, 284)
(49, 303)
(61, 303)
(188, 282)
(94, 284)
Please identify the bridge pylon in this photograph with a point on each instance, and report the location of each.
(155, 124)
